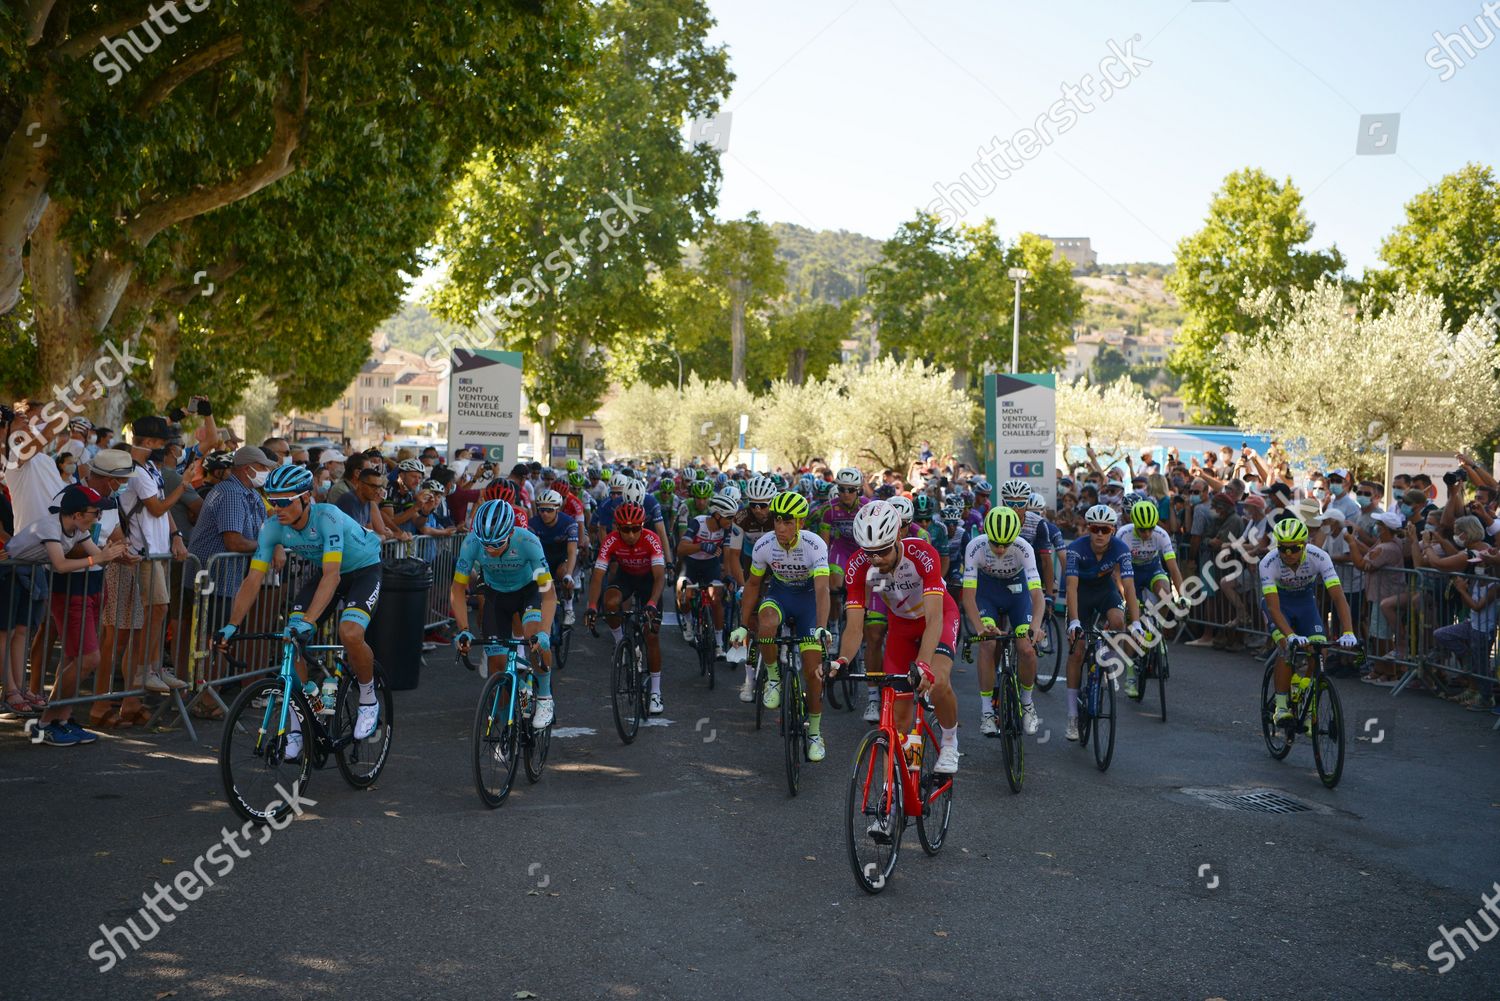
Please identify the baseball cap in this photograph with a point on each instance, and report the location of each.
(76, 499)
(151, 427)
(1390, 519)
(331, 455)
(250, 455)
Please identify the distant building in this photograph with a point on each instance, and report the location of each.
(1173, 411)
(1077, 250)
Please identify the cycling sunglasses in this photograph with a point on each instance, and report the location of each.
(876, 554)
(284, 501)
(758, 506)
(631, 529)
(848, 490)
(1101, 530)
(1290, 549)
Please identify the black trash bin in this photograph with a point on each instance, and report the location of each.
(395, 633)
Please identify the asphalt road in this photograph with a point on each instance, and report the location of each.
(678, 867)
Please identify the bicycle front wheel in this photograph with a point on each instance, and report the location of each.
(794, 727)
(1049, 659)
(1012, 746)
(1104, 724)
(1327, 720)
(1161, 675)
(361, 761)
(252, 755)
(625, 691)
(1276, 740)
(496, 739)
(760, 691)
(874, 816)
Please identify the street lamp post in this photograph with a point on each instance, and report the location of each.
(1019, 275)
(543, 411)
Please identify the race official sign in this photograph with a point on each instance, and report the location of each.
(484, 404)
(1020, 424)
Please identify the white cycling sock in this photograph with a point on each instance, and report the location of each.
(1072, 702)
(1025, 696)
(617, 632)
(985, 708)
(367, 694)
(950, 737)
(656, 683)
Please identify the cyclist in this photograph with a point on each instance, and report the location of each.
(350, 557)
(756, 520)
(504, 489)
(1287, 576)
(980, 505)
(797, 593)
(1001, 580)
(1153, 561)
(702, 556)
(667, 499)
(559, 534)
(908, 512)
(640, 574)
(700, 492)
(900, 576)
(959, 536)
(1098, 569)
(837, 525)
(936, 531)
(517, 584)
(1035, 529)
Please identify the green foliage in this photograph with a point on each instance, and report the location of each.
(1252, 239)
(824, 266)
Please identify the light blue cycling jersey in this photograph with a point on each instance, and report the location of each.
(523, 562)
(329, 536)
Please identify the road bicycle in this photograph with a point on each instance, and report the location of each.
(840, 691)
(503, 734)
(253, 764)
(1049, 649)
(892, 783)
(1316, 711)
(1005, 700)
(702, 615)
(1153, 664)
(629, 676)
(1096, 700)
(562, 634)
(794, 724)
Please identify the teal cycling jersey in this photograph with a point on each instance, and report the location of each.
(328, 536)
(524, 562)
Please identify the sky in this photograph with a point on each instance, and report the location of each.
(846, 113)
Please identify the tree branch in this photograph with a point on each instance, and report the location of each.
(82, 43)
(180, 72)
(34, 14)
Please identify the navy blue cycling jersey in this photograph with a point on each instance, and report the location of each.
(555, 539)
(1092, 569)
(604, 514)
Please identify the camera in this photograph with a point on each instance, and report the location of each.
(1456, 477)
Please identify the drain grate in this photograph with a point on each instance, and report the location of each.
(1249, 800)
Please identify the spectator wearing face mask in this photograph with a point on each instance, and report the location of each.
(1384, 588)
(1336, 545)
(278, 449)
(1369, 495)
(230, 522)
(1339, 495)
(350, 475)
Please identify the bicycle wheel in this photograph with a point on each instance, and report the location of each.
(1049, 663)
(538, 743)
(1012, 746)
(760, 690)
(496, 739)
(361, 761)
(562, 645)
(1104, 724)
(794, 730)
(937, 803)
(705, 638)
(1161, 675)
(625, 691)
(1142, 672)
(1327, 719)
(252, 756)
(874, 817)
(1276, 741)
(831, 692)
(1085, 718)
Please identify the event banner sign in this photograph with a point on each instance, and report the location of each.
(1020, 431)
(564, 447)
(484, 404)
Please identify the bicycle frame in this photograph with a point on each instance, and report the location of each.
(911, 791)
(289, 681)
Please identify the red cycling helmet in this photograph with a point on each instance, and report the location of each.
(500, 490)
(630, 516)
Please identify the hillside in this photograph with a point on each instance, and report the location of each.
(1140, 302)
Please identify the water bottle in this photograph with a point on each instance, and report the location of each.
(330, 693)
(311, 691)
(525, 701)
(912, 747)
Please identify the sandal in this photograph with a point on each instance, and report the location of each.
(17, 702)
(37, 702)
(138, 717)
(209, 712)
(108, 718)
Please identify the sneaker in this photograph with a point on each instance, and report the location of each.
(171, 679)
(1481, 705)
(293, 745)
(872, 712)
(1377, 680)
(771, 699)
(364, 724)
(1072, 732)
(747, 691)
(156, 684)
(1132, 686)
(58, 734)
(987, 726)
(1280, 716)
(656, 704)
(947, 762)
(879, 831)
(1030, 721)
(816, 749)
(1200, 641)
(688, 633)
(718, 648)
(542, 717)
(568, 614)
(84, 736)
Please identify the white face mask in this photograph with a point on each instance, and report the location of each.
(286, 460)
(258, 478)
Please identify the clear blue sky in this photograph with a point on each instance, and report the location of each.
(845, 113)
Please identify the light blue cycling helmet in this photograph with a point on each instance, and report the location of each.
(289, 480)
(493, 522)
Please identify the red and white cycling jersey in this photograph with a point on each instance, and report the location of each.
(636, 560)
(917, 574)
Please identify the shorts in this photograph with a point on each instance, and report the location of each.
(702, 573)
(1300, 609)
(904, 639)
(153, 581)
(358, 589)
(1151, 571)
(122, 596)
(77, 620)
(1380, 629)
(19, 606)
(840, 552)
(799, 608)
(998, 599)
(501, 607)
(876, 612)
(1098, 600)
(637, 586)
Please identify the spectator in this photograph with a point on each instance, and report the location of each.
(77, 444)
(216, 468)
(1472, 639)
(429, 457)
(229, 523)
(103, 438)
(278, 449)
(349, 475)
(1382, 564)
(109, 471)
(1339, 496)
(399, 508)
(1351, 578)
(1226, 527)
(364, 505)
(298, 454)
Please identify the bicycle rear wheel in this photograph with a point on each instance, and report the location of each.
(937, 803)
(1104, 723)
(1276, 739)
(562, 645)
(1012, 745)
(361, 761)
(252, 756)
(496, 739)
(874, 817)
(1049, 661)
(1327, 718)
(625, 691)
(794, 735)
(705, 641)
(1161, 675)
(538, 743)
(760, 691)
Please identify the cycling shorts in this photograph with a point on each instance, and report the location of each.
(1300, 608)
(1000, 600)
(500, 607)
(1098, 599)
(359, 590)
(800, 608)
(904, 638)
(1151, 571)
(637, 586)
(703, 573)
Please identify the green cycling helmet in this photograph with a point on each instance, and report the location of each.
(702, 489)
(1002, 525)
(789, 504)
(1290, 532)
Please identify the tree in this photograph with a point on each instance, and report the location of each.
(1449, 246)
(803, 341)
(739, 264)
(890, 407)
(551, 249)
(129, 178)
(1340, 384)
(1109, 365)
(709, 418)
(642, 420)
(795, 423)
(259, 409)
(1252, 239)
(1113, 420)
(388, 416)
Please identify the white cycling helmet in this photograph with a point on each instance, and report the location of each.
(725, 504)
(1101, 514)
(849, 477)
(633, 491)
(1037, 501)
(760, 490)
(877, 525)
(549, 498)
(904, 507)
(1015, 490)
